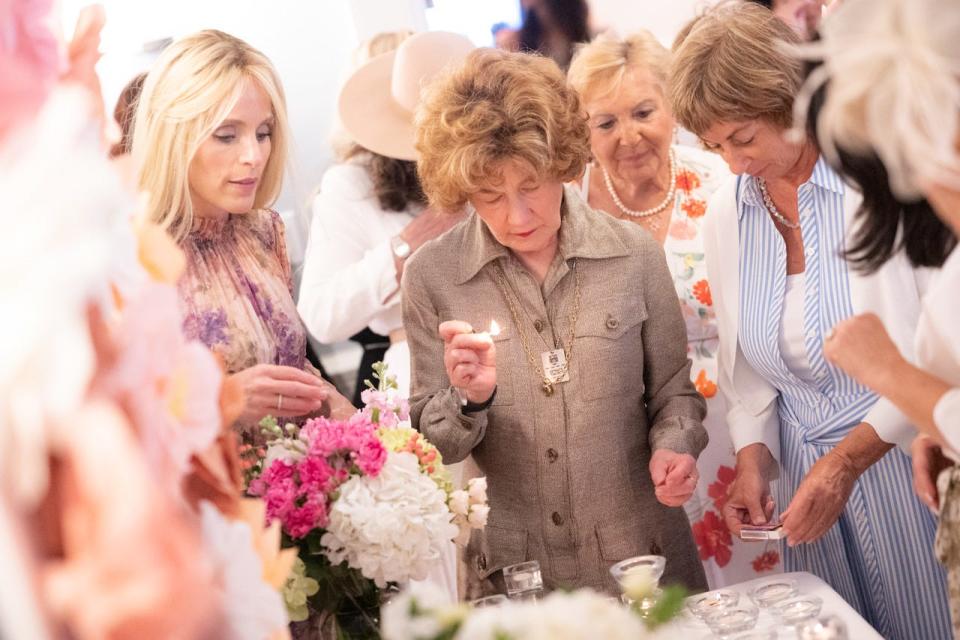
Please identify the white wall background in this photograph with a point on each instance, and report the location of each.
(311, 41)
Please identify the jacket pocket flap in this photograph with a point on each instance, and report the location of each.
(499, 548)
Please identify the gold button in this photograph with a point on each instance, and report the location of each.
(557, 519)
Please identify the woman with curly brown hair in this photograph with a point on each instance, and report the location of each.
(580, 412)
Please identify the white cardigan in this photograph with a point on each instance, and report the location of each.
(938, 347)
(349, 276)
(893, 293)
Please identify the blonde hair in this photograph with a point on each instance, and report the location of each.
(894, 73)
(194, 85)
(600, 66)
(497, 106)
(731, 66)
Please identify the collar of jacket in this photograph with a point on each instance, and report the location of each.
(584, 233)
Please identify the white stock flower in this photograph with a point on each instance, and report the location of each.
(390, 527)
(253, 609)
(478, 516)
(459, 502)
(477, 487)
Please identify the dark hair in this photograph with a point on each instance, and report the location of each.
(123, 113)
(888, 224)
(569, 16)
(766, 3)
(395, 182)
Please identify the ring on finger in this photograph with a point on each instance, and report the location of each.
(279, 401)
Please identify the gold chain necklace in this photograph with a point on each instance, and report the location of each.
(547, 384)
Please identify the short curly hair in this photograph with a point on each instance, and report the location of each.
(497, 106)
(731, 66)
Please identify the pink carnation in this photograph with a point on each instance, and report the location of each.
(371, 456)
(316, 474)
(302, 520)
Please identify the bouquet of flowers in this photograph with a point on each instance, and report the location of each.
(368, 504)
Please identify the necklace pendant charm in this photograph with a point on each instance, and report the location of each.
(547, 388)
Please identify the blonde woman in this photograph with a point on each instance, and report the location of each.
(581, 412)
(211, 140)
(640, 176)
(775, 238)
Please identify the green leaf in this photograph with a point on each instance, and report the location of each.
(668, 606)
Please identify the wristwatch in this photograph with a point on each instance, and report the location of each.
(401, 249)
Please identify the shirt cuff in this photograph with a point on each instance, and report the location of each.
(946, 417)
(747, 428)
(382, 262)
(891, 425)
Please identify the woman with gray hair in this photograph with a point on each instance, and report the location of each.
(775, 238)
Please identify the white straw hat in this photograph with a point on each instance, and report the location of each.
(378, 101)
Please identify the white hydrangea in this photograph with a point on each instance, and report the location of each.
(391, 527)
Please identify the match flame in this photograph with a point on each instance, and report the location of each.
(494, 328)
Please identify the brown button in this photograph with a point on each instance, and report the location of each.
(655, 549)
(557, 519)
(552, 455)
(538, 325)
(612, 323)
(482, 561)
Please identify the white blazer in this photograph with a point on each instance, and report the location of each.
(894, 293)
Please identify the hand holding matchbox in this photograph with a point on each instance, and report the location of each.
(769, 531)
(470, 360)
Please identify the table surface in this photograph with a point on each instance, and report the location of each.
(807, 584)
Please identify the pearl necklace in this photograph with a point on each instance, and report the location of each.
(772, 208)
(653, 224)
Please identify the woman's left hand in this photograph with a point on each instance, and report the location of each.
(674, 476)
(861, 346)
(820, 499)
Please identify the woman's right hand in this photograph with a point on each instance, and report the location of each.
(928, 462)
(748, 497)
(284, 392)
(470, 360)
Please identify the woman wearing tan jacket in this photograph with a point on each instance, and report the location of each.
(580, 412)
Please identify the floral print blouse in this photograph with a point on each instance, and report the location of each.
(237, 291)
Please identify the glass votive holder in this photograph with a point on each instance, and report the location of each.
(523, 580)
(706, 603)
(489, 601)
(651, 566)
(823, 628)
(754, 634)
(767, 594)
(725, 621)
(797, 610)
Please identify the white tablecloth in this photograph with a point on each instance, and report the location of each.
(807, 584)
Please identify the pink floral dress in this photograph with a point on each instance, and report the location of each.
(237, 291)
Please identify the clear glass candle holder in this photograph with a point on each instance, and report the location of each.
(767, 594)
(724, 621)
(706, 603)
(523, 581)
(823, 628)
(489, 601)
(795, 611)
(653, 566)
